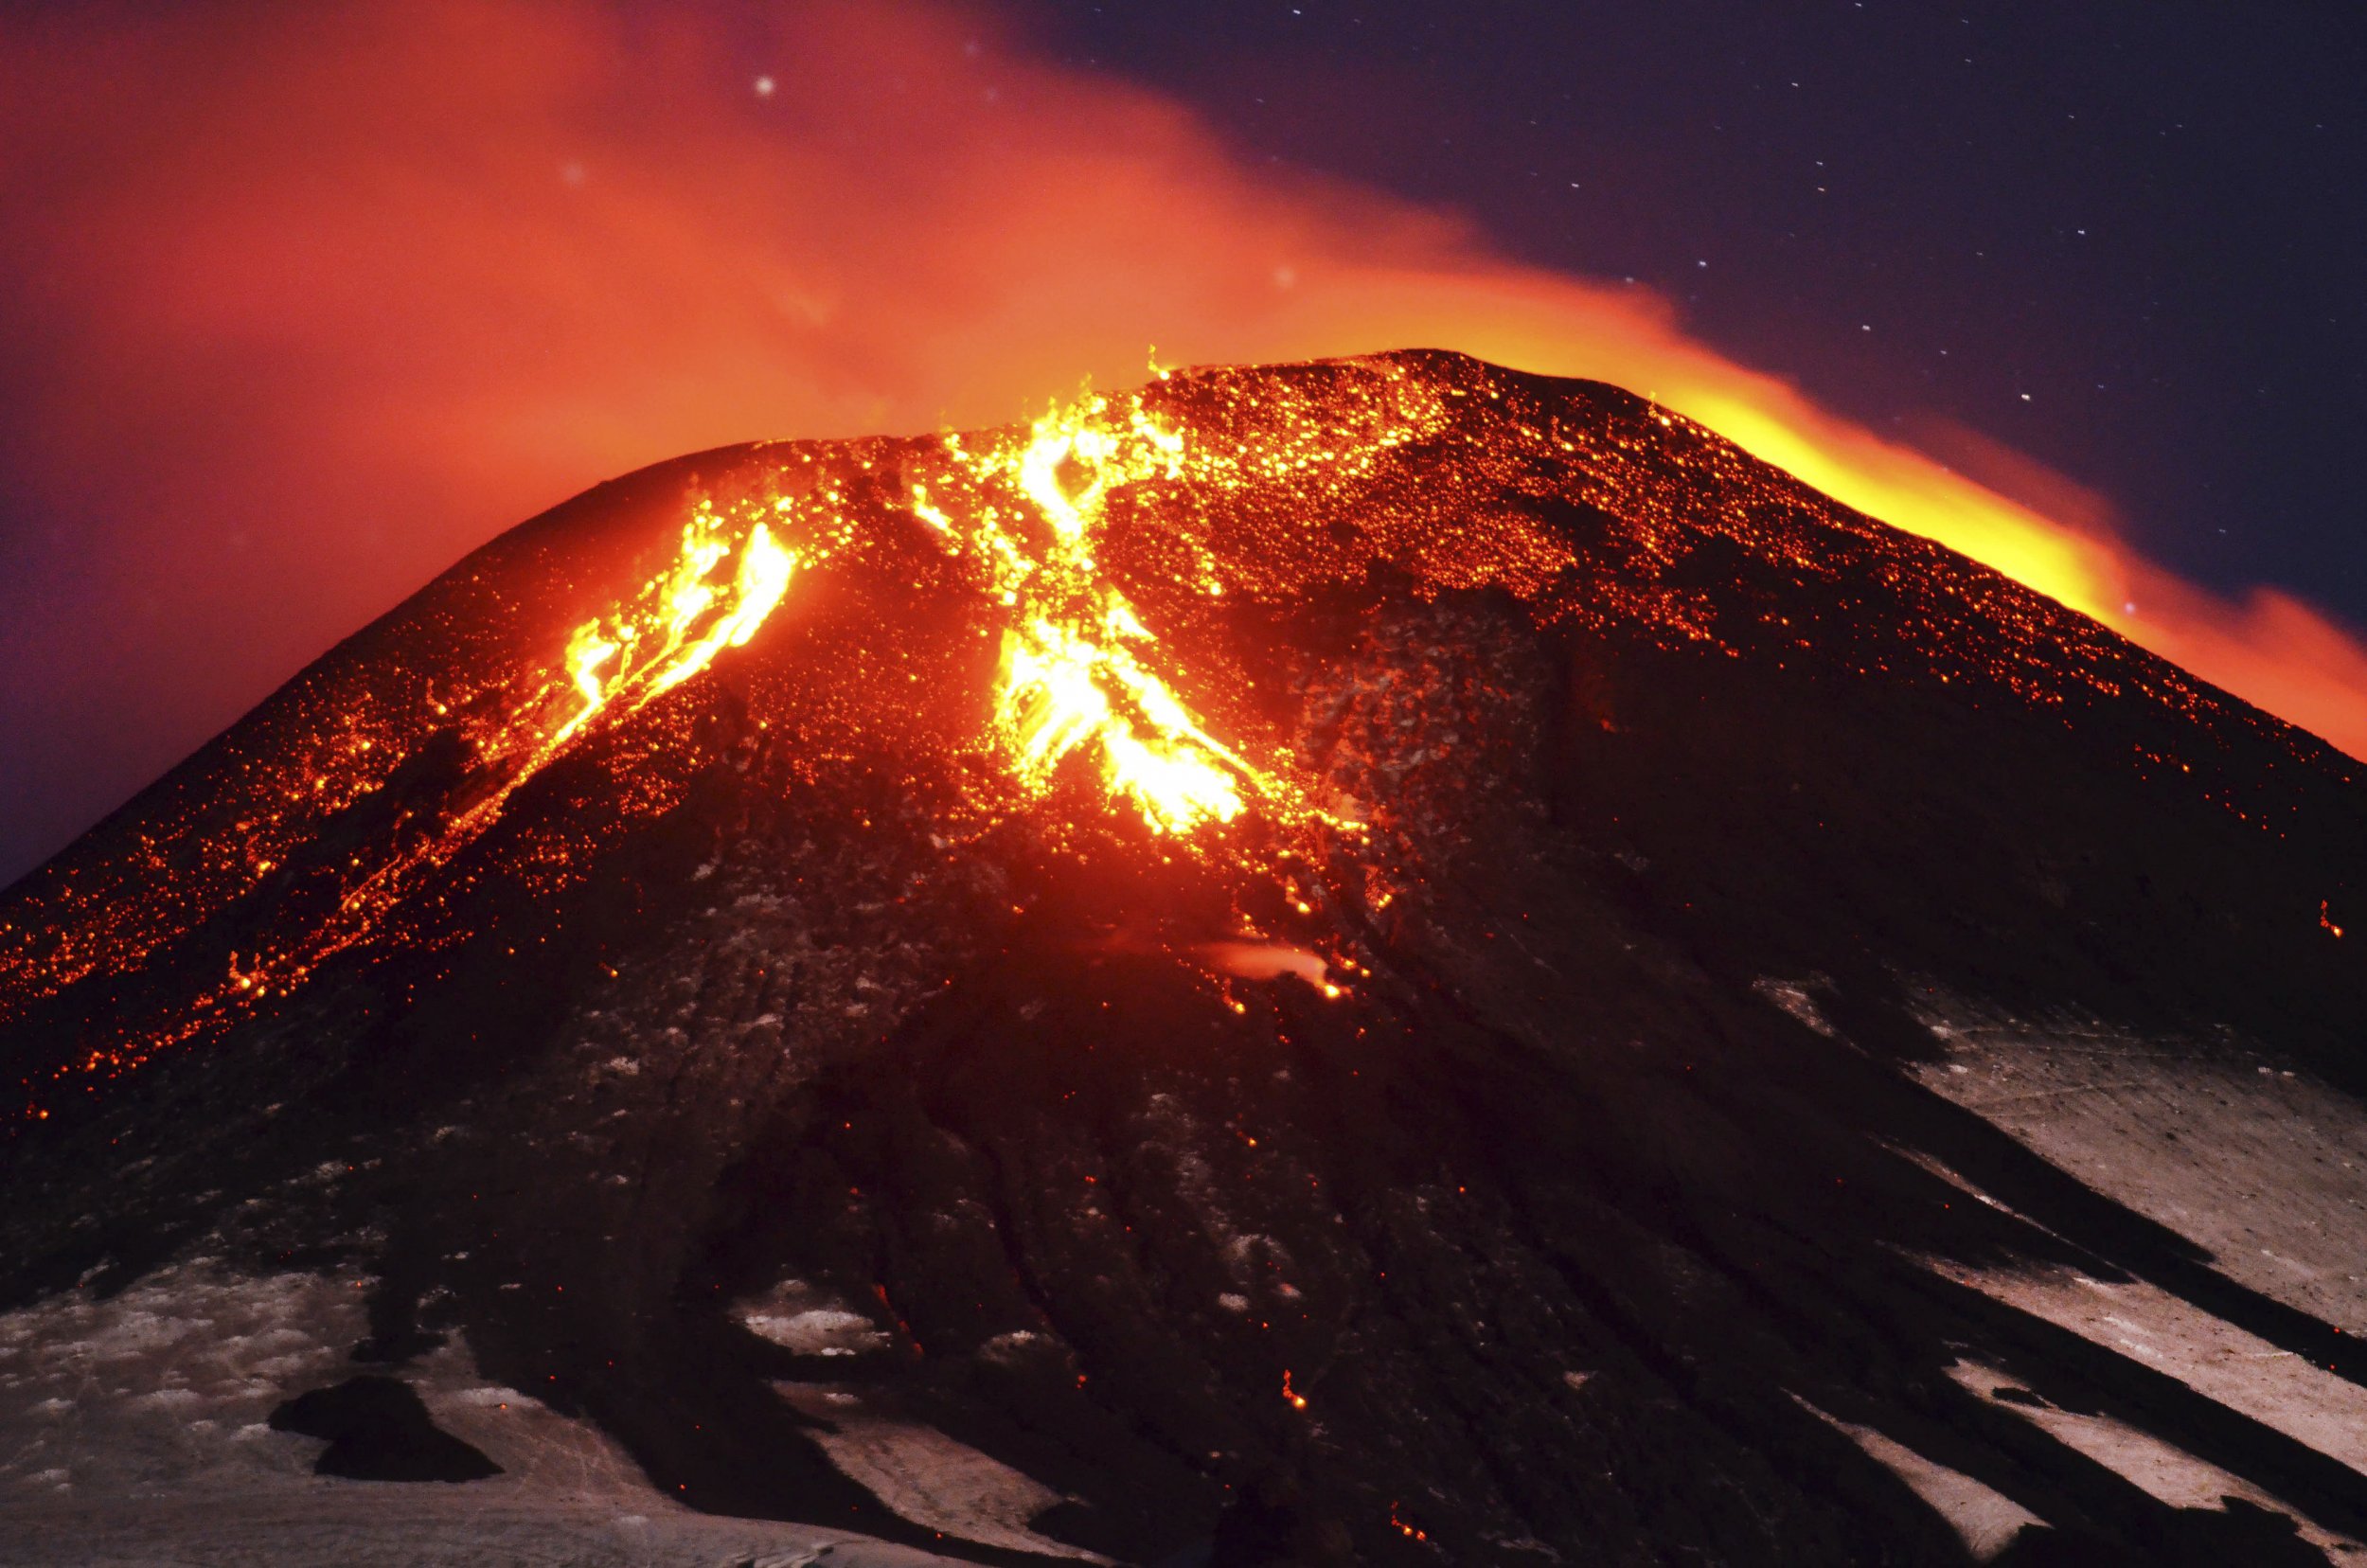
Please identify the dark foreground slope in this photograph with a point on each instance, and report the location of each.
(1836, 1058)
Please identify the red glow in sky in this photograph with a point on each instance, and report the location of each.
(301, 306)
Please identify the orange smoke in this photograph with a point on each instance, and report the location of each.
(304, 304)
(1269, 961)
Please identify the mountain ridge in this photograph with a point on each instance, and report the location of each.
(1561, 866)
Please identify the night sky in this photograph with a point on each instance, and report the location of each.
(299, 304)
(2127, 240)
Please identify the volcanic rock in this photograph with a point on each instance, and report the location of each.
(1383, 961)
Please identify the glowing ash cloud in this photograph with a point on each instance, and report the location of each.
(304, 304)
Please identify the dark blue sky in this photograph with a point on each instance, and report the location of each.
(2128, 239)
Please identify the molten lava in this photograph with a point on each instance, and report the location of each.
(1073, 676)
(679, 623)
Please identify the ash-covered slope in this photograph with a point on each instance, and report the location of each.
(1381, 961)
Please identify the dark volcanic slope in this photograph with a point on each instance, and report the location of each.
(826, 1054)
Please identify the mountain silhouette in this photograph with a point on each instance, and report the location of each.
(1378, 961)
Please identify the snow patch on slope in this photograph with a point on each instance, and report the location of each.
(171, 1376)
(132, 1430)
(2165, 1471)
(2209, 1355)
(927, 1477)
(2265, 1168)
(809, 1322)
(1985, 1519)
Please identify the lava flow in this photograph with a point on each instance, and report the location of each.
(1125, 561)
(1072, 676)
(681, 622)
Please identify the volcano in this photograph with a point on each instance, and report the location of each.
(1380, 961)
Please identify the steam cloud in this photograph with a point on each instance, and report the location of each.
(300, 304)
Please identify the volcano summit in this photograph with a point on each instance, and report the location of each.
(1380, 961)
